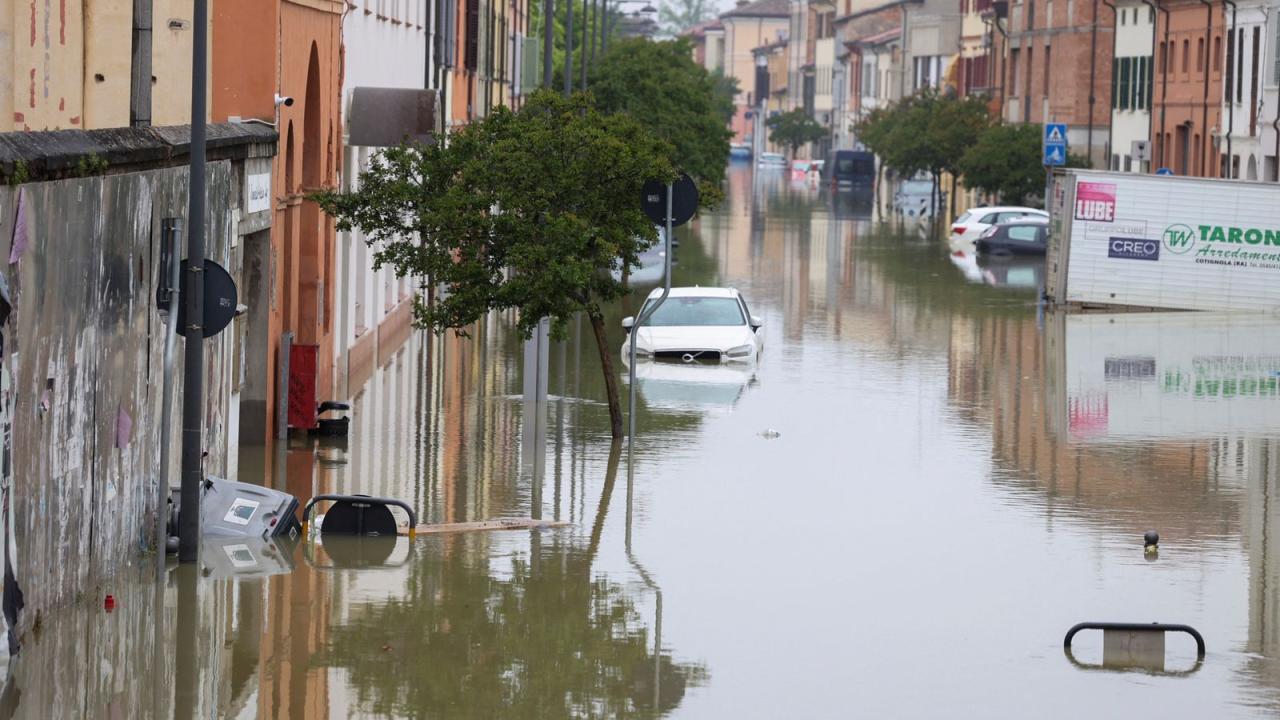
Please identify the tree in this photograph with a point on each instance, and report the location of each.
(660, 85)
(724, 94)
(926, 132)
(1006, 162)
(793, 129)
(677, 16)
(530, 210)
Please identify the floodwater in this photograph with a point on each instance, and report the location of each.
(899, 513)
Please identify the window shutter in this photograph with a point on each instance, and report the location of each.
(472, 57)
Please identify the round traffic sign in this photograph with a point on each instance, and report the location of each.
(684, 200)
(220, 299)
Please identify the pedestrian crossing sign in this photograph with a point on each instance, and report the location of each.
(1055, 144)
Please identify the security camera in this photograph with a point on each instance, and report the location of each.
(284, 100)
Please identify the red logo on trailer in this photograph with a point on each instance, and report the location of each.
(1096, 201)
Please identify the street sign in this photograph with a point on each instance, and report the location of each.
(1055, 144)
(220, 299)
(684, 201)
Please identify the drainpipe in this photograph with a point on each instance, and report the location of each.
(1204, 122)
(140, 70)
(1093, 63)
(902, 72)
(1231, 106)
(1111, 105)
(1164, 82)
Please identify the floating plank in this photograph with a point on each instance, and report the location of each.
(485, 526)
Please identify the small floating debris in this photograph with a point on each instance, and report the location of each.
(770, 434)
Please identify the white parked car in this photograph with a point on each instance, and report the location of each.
(696, 324)
(969, 227)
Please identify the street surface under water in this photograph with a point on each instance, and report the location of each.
(898, 514)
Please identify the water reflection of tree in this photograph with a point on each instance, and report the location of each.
(545, 641)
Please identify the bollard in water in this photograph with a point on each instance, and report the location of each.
(1151, 544)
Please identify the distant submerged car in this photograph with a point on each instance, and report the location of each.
(696, 324)
(1028, 236)
(772, 160)
(739, 152)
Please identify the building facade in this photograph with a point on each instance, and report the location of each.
(69, 65)
(1188, 86)
(746, 27)
(1056, 59)
(1131, 80)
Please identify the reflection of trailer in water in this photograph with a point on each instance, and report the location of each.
(1115, 377)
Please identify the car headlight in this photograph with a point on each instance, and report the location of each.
(740, 351)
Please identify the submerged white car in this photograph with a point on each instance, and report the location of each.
(696, 324)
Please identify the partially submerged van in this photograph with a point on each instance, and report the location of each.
(849, 168)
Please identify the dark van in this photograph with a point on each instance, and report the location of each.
(846, 168)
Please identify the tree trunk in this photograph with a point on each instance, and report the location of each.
(610, 377)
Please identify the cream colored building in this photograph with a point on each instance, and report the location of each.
(66, 65)
(748, 26)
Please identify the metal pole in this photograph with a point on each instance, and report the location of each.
(172, 238)
(193, 379)
(645, 314)
(548, 40)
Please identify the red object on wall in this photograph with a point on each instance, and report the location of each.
(302, 386)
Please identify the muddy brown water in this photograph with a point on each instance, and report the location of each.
(898, 513)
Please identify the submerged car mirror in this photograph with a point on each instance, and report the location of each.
(628, 322)
(756, 322)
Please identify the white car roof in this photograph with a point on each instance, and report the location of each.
(697, 292)
(1006, 208)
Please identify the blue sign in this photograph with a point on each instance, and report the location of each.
(1133, 248)
(1055, 144)
(1164, 171)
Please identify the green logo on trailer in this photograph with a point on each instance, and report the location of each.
(1179, 238)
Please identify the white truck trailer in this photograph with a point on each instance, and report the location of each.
(1153, 241)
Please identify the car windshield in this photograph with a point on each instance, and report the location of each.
(703, 311)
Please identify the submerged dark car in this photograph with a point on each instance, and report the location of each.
(1016, 238)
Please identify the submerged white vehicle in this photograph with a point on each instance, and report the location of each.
(696, 324)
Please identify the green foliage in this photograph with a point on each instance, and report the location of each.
(21, 173)
(91, 164)
(660, 85)
(725, 92)
(1006, 162)
(676, 16)
(794, 128)
(926, 132)
(532, 210)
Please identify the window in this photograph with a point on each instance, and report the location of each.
(1200, 55)
(1013, 72)
(1047, 65)
(1217, 53)
(1240, 66)
(1228, 87)
(1254, 78)
(1123, 14)
(1024, 233)
(1124, 86)
(1275, 70)
(1186, 55)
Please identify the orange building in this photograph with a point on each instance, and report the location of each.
(291, 49)
(1186, 114)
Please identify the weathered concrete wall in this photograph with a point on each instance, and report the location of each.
(84, 346)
